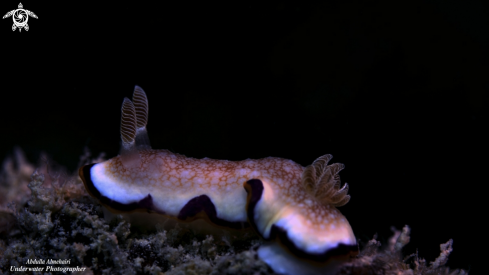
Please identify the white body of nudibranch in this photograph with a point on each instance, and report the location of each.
(293, 208)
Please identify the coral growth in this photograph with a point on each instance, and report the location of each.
(52, 217)
(389, 261)
(14, 177)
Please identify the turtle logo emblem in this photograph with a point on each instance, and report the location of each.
(20, 17)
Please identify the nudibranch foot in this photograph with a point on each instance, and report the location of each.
(291, 207)
(284, 262)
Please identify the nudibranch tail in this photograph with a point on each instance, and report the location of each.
(322, 181)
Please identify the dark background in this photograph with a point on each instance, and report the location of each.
(398, 92)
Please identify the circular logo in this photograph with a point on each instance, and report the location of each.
(20, 17)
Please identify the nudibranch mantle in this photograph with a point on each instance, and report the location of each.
(175, 179)
(293, 208)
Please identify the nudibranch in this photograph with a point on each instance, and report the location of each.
(293, 208)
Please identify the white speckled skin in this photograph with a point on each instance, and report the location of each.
(173, 179)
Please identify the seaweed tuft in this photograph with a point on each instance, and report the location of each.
(389, 261)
